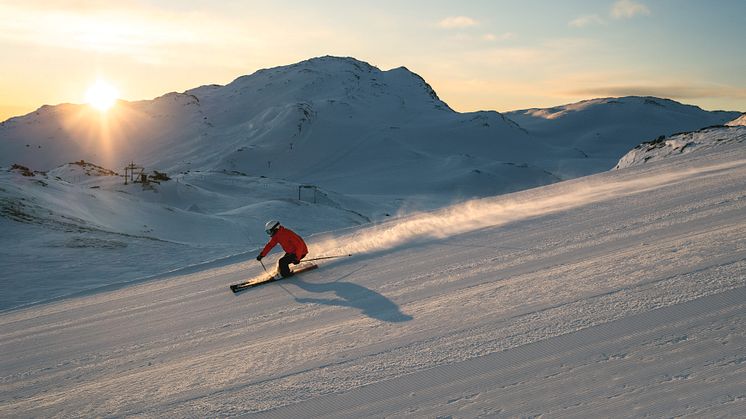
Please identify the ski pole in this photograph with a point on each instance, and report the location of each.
(265, 269)
(326, 257)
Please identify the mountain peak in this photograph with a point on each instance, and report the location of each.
(324, 64)
(331, 60)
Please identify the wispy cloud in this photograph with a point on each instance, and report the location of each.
(455, 22)
(587, 20)
(625, 9)
(622, 9)
(497, 38)
(674, 91)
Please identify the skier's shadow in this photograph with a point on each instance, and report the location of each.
(369, 302)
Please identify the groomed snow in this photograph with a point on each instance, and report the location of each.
(619, 294)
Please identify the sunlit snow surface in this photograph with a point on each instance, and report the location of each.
(619, 294)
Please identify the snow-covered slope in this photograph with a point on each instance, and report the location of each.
(683, 143)
(600, 131)
(83, 223)
(621, 294)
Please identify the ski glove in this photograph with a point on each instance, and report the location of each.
(259, 258)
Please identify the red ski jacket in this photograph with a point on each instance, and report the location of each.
(290, 242)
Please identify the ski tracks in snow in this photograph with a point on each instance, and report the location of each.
(684, 359)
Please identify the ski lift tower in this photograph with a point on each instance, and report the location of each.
(130, 169)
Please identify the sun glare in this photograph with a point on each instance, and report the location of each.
(101, 95)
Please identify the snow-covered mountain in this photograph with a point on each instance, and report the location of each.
(334, 122)
(340, 122)
(600, 131)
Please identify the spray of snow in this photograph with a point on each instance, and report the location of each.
(491, 212)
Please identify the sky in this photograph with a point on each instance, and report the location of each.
(498, 55)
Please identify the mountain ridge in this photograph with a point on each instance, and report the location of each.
(345, 125)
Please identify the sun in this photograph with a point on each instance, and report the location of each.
(101, 95)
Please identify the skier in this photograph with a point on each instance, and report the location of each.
(293, 245)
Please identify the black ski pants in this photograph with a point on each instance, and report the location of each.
(284, 264)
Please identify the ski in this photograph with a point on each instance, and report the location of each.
(265, 280)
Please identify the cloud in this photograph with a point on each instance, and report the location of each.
(455, 22)
(674, 91)
(625, 9)
(496, 38)
(622, 9)
(587, 20)
(146, 35)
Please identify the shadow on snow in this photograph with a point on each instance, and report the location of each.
(369, 302)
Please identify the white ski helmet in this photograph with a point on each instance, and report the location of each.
(271, 227)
